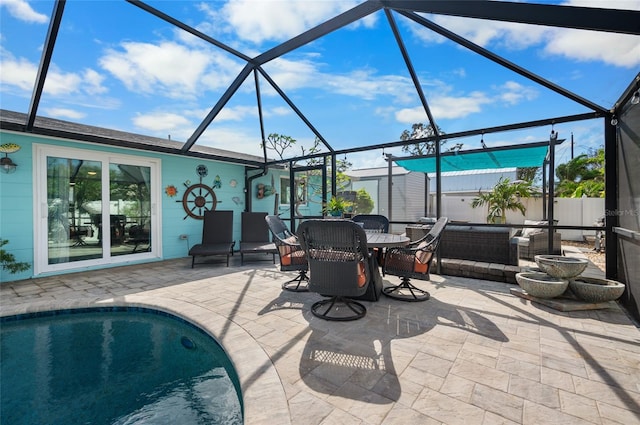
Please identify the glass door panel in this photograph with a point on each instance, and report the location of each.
(130, 208)
(94, 208)
(74, 206)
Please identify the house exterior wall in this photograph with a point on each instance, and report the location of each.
(407, 199)
(17, 209)
(470, 182)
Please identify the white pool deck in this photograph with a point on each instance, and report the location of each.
(473, 354)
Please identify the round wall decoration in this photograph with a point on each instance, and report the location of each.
(202, 170)
(197, 199)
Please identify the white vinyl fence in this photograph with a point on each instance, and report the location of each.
(568, 212)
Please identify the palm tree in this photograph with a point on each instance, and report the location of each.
(582, 175)
(504, 197)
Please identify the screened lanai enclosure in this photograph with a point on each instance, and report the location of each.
(259, 90)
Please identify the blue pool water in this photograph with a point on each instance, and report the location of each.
(113, 366)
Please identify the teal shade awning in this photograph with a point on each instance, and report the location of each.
(531, 155)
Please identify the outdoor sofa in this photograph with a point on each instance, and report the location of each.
(474, 243)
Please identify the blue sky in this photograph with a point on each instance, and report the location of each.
(119, 67)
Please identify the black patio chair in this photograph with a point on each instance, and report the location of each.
(412, 261)
(217, 236)
(254, 237)
(291, 254)
(340, 267)
(372, 222)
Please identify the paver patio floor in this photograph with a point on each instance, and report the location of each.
(472, 354)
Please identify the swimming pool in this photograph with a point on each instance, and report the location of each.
(114, 365)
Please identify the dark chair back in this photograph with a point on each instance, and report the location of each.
(415, 260)
(338, 257)
(217, 227)
(372, 222)
(254, 227)
(278, 227)
(217, 236)
(291, 254)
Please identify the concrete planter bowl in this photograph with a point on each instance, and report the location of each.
(560, 266)
(541, 285)
(595, 290)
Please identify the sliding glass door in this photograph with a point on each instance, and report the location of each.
(95, 208)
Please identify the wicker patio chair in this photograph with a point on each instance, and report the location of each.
(375, 223)
(412, 261)
(340, 267)
(372, 222)
(292, 257)
(217, 236)
(254, 237)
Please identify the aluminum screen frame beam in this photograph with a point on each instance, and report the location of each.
(189, 29)
(501, 61)
(45, 61)
(577, 17)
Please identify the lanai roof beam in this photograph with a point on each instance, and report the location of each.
(502, 61)
(578, 17)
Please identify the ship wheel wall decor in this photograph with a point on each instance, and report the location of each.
(197, 199)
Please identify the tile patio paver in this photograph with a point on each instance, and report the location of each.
(472, 354)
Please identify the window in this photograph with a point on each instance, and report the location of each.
(94, 208)
(285, 190)
(300, 190)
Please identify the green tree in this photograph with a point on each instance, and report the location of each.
(418, 131)
(582, 175)
(505, 196)
(364, 202)
(529, 174)
(280, 144)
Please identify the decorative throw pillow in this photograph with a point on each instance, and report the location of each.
(528, 231)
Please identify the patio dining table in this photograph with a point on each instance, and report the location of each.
(377, 241)
(386, 240)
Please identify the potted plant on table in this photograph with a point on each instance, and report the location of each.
(505, 196)
(336, 206)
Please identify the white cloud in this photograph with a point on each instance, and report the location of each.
(257, 21)
(513, 93)
(22, 10)
(18, 73)
(365, 84)
(237, 113)
(232, 139)
(277, 111)
(371, 159)
(290, 74)
(445, 107)
(160, 121)
(360, 83)
(616, 49)
(168, 68)
(64, 113)
(93, 82)
(61, 83)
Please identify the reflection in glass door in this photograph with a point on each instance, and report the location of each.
(74, 204)
(130, 212)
